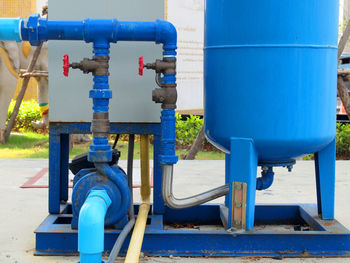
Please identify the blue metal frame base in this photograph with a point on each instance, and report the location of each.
(291, 230)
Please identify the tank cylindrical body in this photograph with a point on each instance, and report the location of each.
(270, 75)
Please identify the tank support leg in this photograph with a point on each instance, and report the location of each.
(325, 180)
(241, 172)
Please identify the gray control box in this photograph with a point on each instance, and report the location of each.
(132, 94)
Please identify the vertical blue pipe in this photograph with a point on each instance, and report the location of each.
(100, 150)
(91, 226)
(168, 119)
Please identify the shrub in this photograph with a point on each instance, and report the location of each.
(28, 112)
(343, 141)
(187, 129)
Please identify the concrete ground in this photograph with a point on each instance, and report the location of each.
(22, 210)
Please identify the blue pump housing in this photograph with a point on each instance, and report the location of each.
(270, 75)
(115, 184)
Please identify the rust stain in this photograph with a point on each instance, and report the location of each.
(184, 225)
(329, 224)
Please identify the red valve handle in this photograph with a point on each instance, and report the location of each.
(66, 65)
(141, 66)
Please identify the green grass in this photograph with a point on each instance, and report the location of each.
(28, 145)
(34, 145)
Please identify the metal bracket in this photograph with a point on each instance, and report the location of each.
(239, 205)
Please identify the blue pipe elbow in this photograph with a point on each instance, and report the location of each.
(167, 35)
(162, 32)
(10, 29)
(266, 179)
(91, 226)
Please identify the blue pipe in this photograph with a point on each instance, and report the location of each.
(91, 226)
(266, 179)
(162, 32)
(36, 30)
(9, 29)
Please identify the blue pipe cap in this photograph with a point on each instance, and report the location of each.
(10, 29)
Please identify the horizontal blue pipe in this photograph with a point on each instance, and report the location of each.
(60, 30)
(9, 29)
(36, 30)
(91, 226)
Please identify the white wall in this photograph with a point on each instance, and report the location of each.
(188, 18)
(39, 5)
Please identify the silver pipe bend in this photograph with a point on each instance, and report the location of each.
(175, 203)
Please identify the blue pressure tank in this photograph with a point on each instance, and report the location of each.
(270, 75)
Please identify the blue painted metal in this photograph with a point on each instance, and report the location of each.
(91, 226)
(64, 160)
(54, 173)
(9, 28)
(286, 111)
(118, 179)
(167, 150)
(159, 31)
(158, 202)
(36, 29)
(286, 105)
(266, 179)
(325, 180)
(89, 180)
(243, 162)
(323, 238)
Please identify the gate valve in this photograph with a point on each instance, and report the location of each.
(98, 65)
(66, 65)
(141, 66)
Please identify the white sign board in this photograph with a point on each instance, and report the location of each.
(188, 18)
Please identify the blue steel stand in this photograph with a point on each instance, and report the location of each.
(325, 180)
(58, 158)
(307, 236)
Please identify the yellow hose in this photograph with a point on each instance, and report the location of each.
(134, 250)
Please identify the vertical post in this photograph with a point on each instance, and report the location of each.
(325, 180)
(54, 171)
(158, 203)
(242, 168)
(227, 176)
(64, 172)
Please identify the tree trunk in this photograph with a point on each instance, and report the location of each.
(20, 96)
(343, 93)
(196, 145)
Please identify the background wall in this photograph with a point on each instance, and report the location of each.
(22, 8)
(188, 18)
